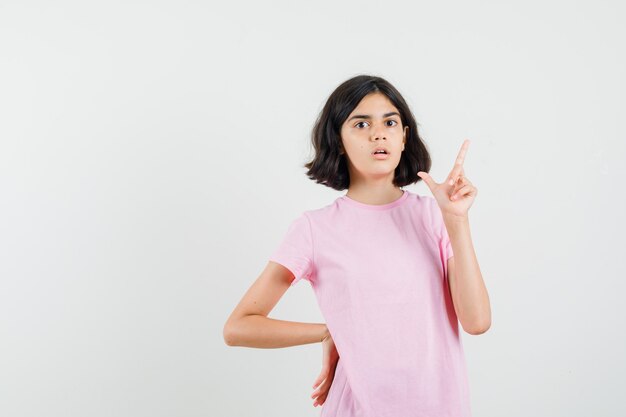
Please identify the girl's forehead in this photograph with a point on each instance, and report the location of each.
(374, 104)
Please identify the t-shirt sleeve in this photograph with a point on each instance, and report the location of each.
(295, 251)
(445, 246)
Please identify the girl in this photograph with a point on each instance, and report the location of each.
(380, 261)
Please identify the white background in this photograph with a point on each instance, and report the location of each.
(151, 160)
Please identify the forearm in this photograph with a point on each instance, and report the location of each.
(468, 289)
(263, 332)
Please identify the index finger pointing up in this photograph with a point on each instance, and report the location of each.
(458, 164)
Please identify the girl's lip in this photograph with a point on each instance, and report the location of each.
(380, 148)
(380, 155)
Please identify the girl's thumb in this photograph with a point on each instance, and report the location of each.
(427, 179)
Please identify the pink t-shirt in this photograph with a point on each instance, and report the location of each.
(379, 273)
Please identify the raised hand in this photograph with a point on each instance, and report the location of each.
(456, 195)
(329, 364)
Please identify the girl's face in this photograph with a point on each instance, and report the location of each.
(374, 123)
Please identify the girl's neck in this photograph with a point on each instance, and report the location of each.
(373, 195)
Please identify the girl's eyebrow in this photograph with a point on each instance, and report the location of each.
(367, 116)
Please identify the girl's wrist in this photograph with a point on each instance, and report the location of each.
(453, 218)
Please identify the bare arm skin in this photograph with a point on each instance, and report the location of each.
(467, 287)
(249, 326)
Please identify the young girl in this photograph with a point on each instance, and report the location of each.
(380, 261)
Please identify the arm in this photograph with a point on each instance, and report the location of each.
(469, 294)
(249, 326)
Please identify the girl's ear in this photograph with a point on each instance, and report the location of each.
(406, 128)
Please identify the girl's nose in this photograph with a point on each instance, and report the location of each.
(378, 132)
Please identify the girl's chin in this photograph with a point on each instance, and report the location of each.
(381, 171)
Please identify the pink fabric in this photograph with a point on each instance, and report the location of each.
(379, 273)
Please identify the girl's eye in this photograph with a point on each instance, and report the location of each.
(392, 121)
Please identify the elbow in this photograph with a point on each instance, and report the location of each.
(478, 329)
(229, 334)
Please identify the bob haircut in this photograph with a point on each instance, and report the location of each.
(329, 166)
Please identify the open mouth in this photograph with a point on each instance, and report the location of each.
(380, 155)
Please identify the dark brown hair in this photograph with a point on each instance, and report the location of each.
(329, 166)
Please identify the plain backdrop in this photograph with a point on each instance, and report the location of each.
(151, 160)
